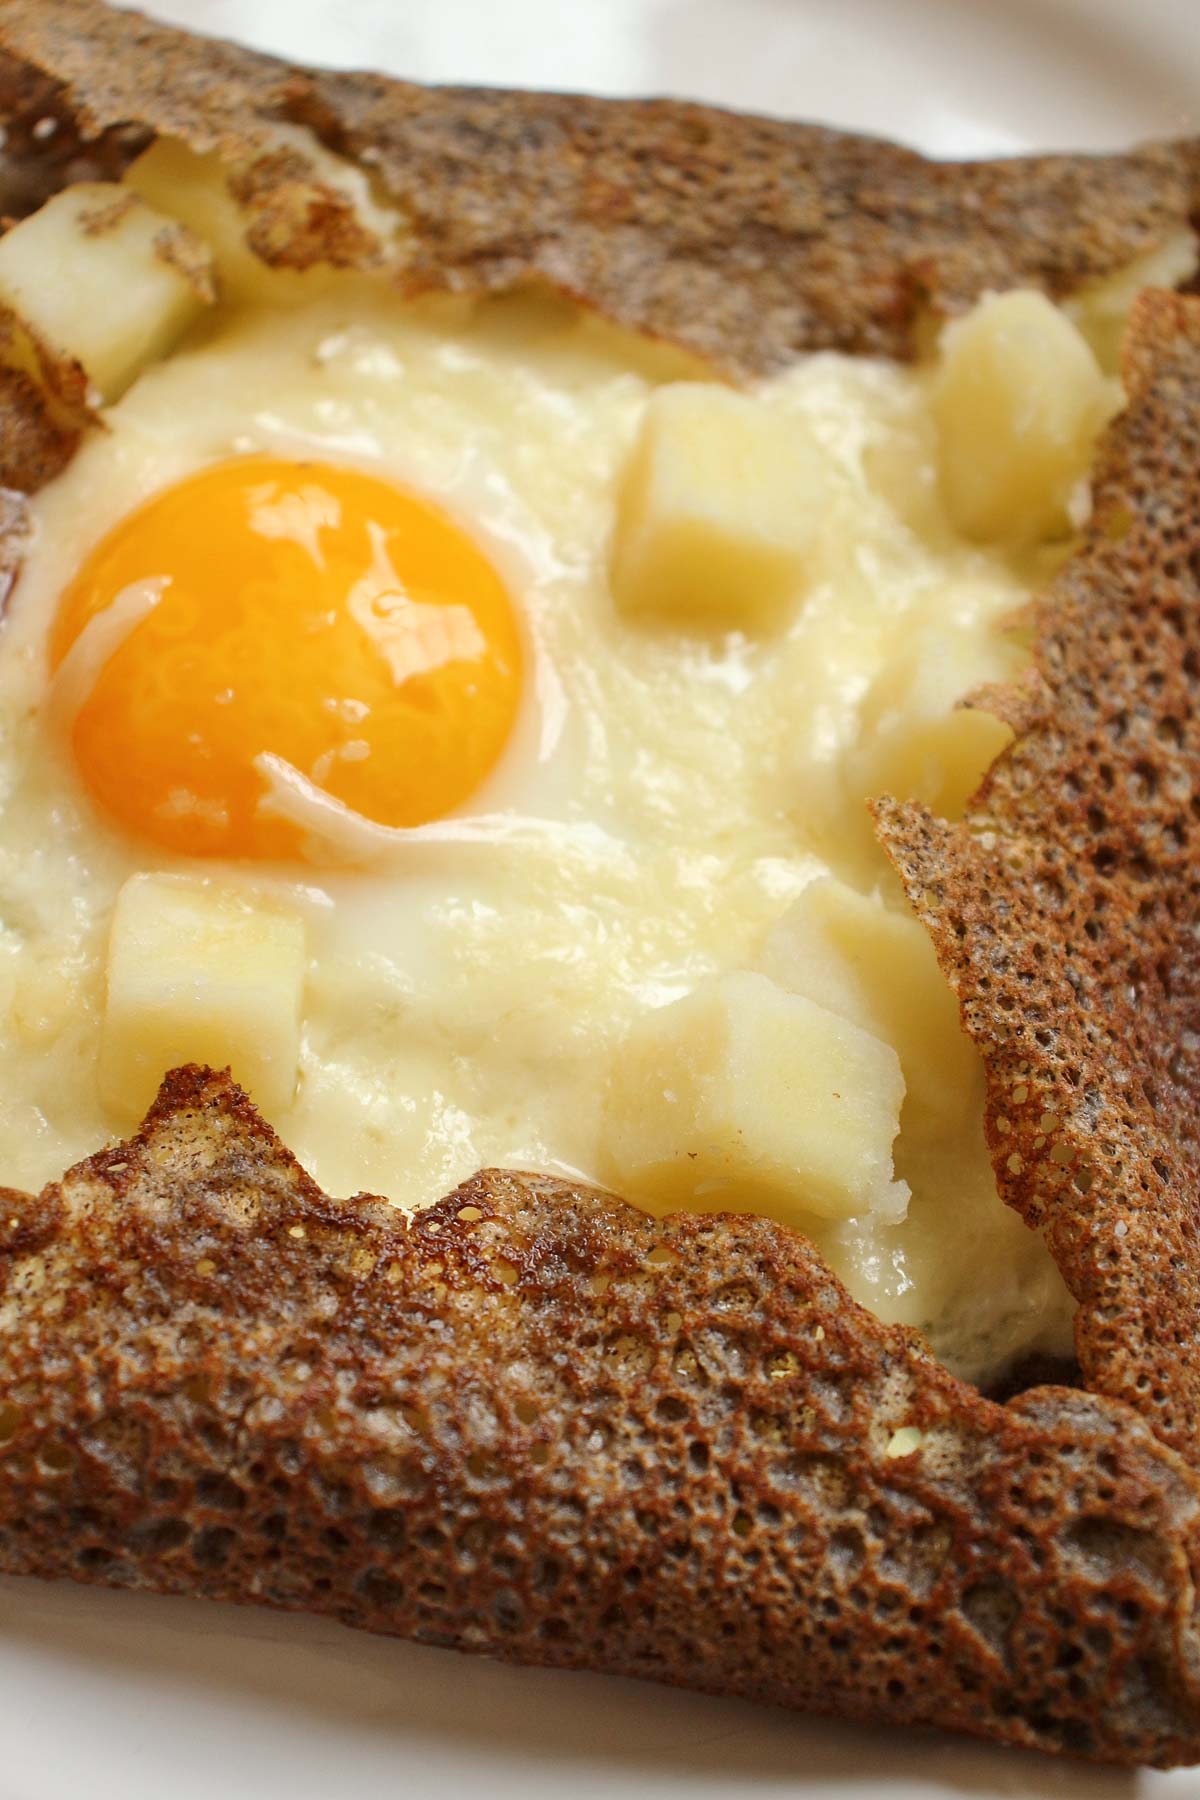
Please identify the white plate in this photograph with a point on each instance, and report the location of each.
(111, 1697)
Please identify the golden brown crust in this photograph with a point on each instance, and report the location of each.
(1064, 908)
(743, 239)
(535, 1422)
(534, 1431)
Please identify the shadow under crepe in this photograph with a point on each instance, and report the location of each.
(296, 1675)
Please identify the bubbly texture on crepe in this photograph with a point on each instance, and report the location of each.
(533, 1421)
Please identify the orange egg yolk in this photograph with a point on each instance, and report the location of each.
(295, 610)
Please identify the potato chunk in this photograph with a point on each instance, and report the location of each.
(720, 505)
(106, 279)
(1101, 308)
(848, 952)
(199, 973)
(279, 219)
(1019, 399)
(742, 1096)
(918, 741)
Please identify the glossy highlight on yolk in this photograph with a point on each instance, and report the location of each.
(298, 610)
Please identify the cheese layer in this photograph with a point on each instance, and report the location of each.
(673, 786)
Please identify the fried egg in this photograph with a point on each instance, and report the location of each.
(495, 741)
(305, 611)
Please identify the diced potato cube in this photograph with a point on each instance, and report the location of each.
(918, 742)
(199, 973)
(106, 279)
(1101, 308)
(743, 1097)
(939, 758)
(195, 188)
(1019, 399)
(850, 953)
(719, 508)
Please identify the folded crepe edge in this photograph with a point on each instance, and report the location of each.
(217, 1381)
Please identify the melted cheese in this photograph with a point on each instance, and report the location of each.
(669, 791)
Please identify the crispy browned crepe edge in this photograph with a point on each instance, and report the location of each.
(217, 1381)
(744, 239)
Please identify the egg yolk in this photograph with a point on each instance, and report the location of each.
(292, 610)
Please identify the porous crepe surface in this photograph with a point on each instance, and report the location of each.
(560, 1431)
(1065, 907)
(536, 1422)
(744, 239)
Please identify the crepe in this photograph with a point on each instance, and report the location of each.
(744, 239)
(533, 1421)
